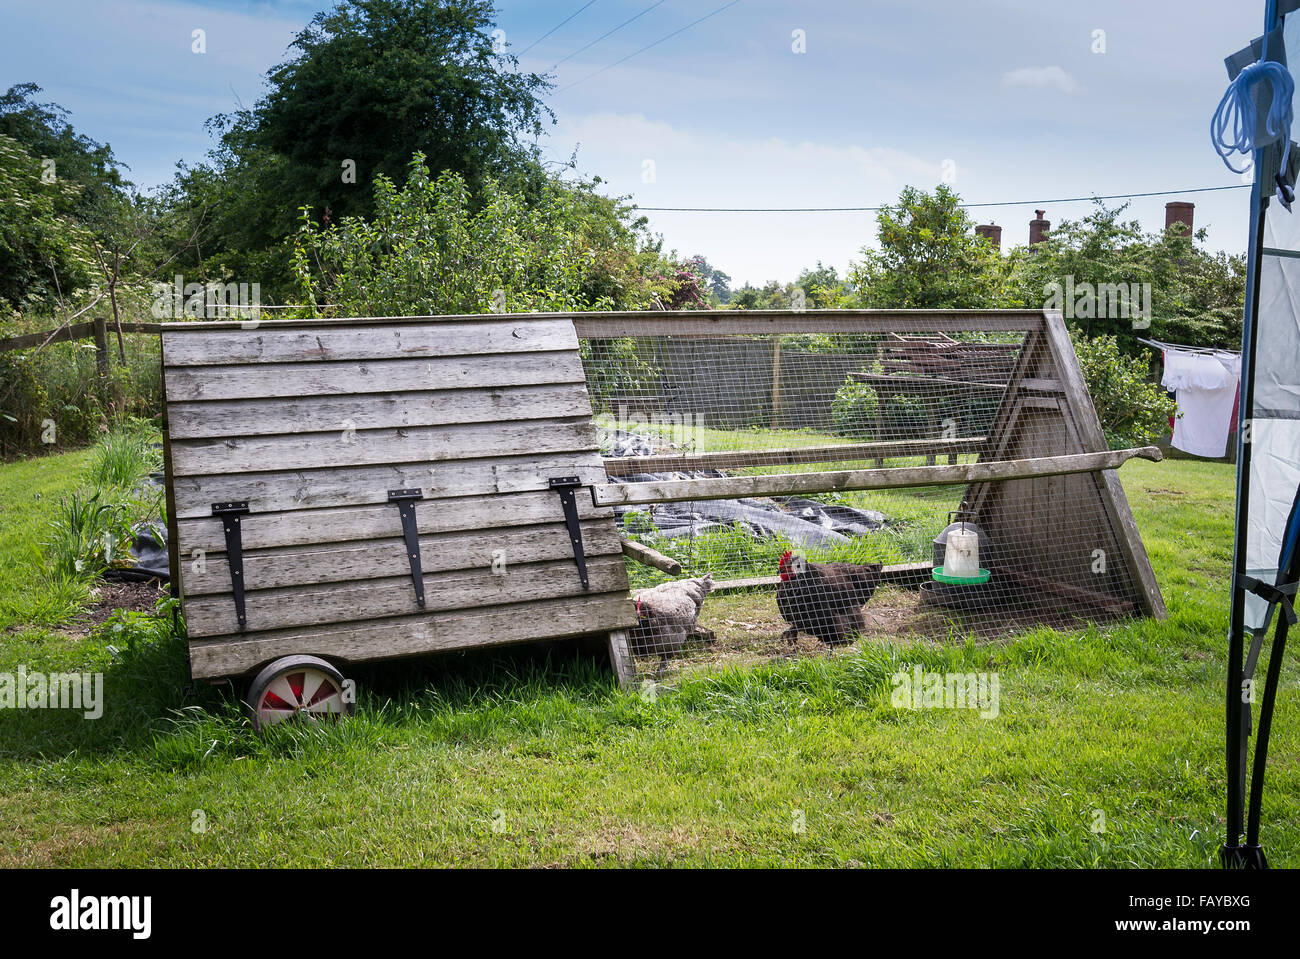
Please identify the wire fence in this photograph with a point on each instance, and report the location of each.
(926, 553)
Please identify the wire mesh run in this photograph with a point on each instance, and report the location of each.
(801, 572)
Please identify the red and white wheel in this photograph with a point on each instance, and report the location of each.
(303, 687)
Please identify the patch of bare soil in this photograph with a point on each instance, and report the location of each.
(134, 597)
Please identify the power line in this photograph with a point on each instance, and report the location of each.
(609, 34)
(554, 28)
(965, 206)
(649, 45)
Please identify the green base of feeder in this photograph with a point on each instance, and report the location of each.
(940, 576)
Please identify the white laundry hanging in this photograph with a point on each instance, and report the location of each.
(1206, 384)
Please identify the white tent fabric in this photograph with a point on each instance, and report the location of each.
(1274, 428)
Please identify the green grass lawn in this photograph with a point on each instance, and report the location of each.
(522, 759)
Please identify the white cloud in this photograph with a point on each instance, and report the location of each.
(1041, 77)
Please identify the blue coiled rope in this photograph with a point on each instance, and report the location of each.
(1236, 113)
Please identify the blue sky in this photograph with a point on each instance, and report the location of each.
(728, 114)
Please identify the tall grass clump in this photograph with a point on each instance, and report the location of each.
(125, 457)
(94, 526)
(87, 534)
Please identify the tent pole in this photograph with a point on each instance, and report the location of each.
(1236, 733)
(1252, 848)
(1230, 853)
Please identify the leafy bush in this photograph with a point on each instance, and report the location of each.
(433, 248)
(54, 398)
(617, 368)
(1134, 411)
(854, 409)
(904, 416)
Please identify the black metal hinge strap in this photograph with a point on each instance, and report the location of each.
(230, 513)
(405, 500)
(565, 485)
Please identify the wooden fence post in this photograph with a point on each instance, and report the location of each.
(101, 346)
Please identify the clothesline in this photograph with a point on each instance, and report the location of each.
(1205, 350)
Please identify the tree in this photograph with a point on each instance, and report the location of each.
(44, 253)
(44, 132)
(1109, 277)
(822, 287)
(372, 82)
(929, 257)
(717, 282)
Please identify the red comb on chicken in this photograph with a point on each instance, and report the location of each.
(824, 600)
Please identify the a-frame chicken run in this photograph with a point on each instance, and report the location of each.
(769, 483)
(806, 478)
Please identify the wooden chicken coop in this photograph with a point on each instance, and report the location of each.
(349, 490)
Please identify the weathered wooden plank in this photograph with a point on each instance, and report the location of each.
(414, 635)
(76, 331)
(891, 478)
(1112, 604)
(737, 459)
(371, 376)
(375, 559)
(346, 414)
(902, 574)
(1041, 385)
(306, 527)
(653, 558)
(620, 658)
(277, 491)
(376, 599)
(777, 322)
(416, 444)
(888, 321)
(266, 344)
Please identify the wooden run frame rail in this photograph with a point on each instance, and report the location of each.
(738, 459)
(897, 477)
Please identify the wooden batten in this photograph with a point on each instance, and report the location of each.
(898, 477)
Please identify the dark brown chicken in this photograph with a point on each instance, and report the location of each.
(824, 599)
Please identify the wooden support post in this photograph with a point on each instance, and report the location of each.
(101, 346)
(776, 379)
(620, 658)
